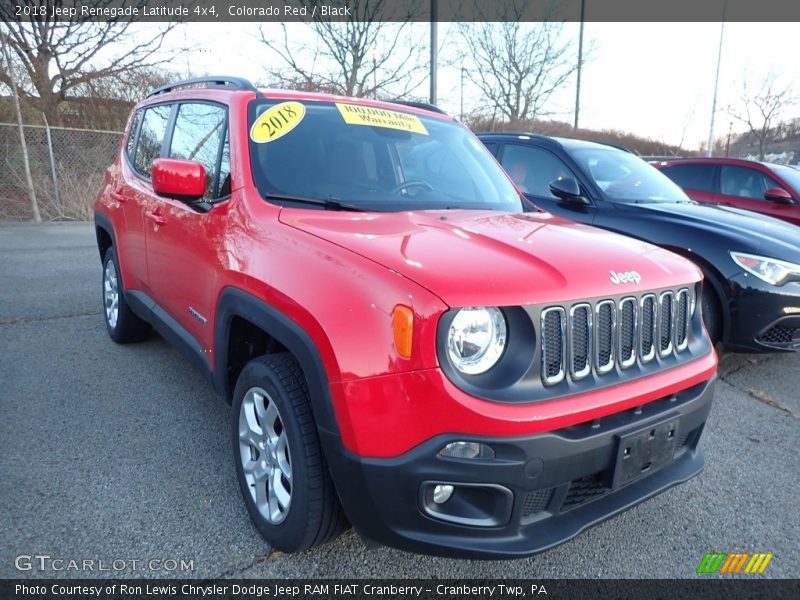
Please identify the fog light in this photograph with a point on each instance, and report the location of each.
(466, 450)
(471, 504)
(442, 493)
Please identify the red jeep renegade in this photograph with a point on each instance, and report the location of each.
(405, 344)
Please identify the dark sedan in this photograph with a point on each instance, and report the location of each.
(751, 299)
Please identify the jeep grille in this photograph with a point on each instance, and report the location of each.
(586, 337)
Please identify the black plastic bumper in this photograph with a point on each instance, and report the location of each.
(537, 492)
(764, 317)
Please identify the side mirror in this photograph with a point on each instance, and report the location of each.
(567, 190)
(183, 180)
(779, 195)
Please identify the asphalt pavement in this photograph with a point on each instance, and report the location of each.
(122, 453)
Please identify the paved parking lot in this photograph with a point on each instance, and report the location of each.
(122, 453)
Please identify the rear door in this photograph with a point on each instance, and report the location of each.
(185, 245)
(696, 179)
(135, 195)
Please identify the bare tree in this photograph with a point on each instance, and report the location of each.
(761, 109)
(105, 103)
(57, 57)
(37, 217)
(362, 56)
(672, 150)
(518, 65)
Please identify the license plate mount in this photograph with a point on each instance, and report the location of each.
(644, 451)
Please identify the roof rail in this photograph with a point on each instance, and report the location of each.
(236, 83)
(422, 105)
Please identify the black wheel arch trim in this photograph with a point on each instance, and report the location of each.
(101, 221)
(714, 278)
(234, 302)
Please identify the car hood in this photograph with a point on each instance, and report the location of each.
(741, 230)
(489, 258)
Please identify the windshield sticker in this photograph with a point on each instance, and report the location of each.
(354, 114)
(277, 121)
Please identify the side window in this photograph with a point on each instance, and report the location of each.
(691, 177)
(130, 144)
(491, 147)
(200, 135)
(744, 182)
(768, 182)
(224, 185)
(532, 169)
(151, 136)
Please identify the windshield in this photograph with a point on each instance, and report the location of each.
(789, 174)
(349, 155)
(627, 178)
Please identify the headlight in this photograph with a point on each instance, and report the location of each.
(476, 339)
(771, 270)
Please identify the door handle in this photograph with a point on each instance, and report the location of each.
(119, 197)
(155, 217)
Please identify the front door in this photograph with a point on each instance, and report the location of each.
(744, 187)
(533, 169)
(183, 242)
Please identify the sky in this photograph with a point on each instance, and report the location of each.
(652, 79)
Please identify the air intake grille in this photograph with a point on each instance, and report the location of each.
(553, 345)
(627, 332)
(665, 324)
(580, 336)
(536, 502)
(604, 336)
(682, 319)
(583, 490)
(647, 328)
(778, 335)
(612, 333)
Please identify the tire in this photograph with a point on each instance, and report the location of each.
(123, 326)
(712, 314)
(283, 475)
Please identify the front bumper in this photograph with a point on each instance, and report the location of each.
(764, 317)
(538, 491)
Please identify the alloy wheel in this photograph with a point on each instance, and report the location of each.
(111, 293)
(264, 452)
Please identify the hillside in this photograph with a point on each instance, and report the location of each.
(784, 148)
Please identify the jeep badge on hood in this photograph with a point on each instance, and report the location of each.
(626, 277)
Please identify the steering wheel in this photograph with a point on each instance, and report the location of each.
(407, 185)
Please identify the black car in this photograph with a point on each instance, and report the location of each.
(751, 298)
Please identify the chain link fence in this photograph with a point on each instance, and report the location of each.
(78, 157)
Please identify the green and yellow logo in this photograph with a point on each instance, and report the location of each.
(736, 562)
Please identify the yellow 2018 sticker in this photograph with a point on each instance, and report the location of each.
(277, 121)
(355, 114)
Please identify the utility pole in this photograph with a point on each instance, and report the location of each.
(580, 64)
(728, 143)
(710, 146)
(434, 51)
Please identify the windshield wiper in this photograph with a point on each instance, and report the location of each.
(329, 203)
